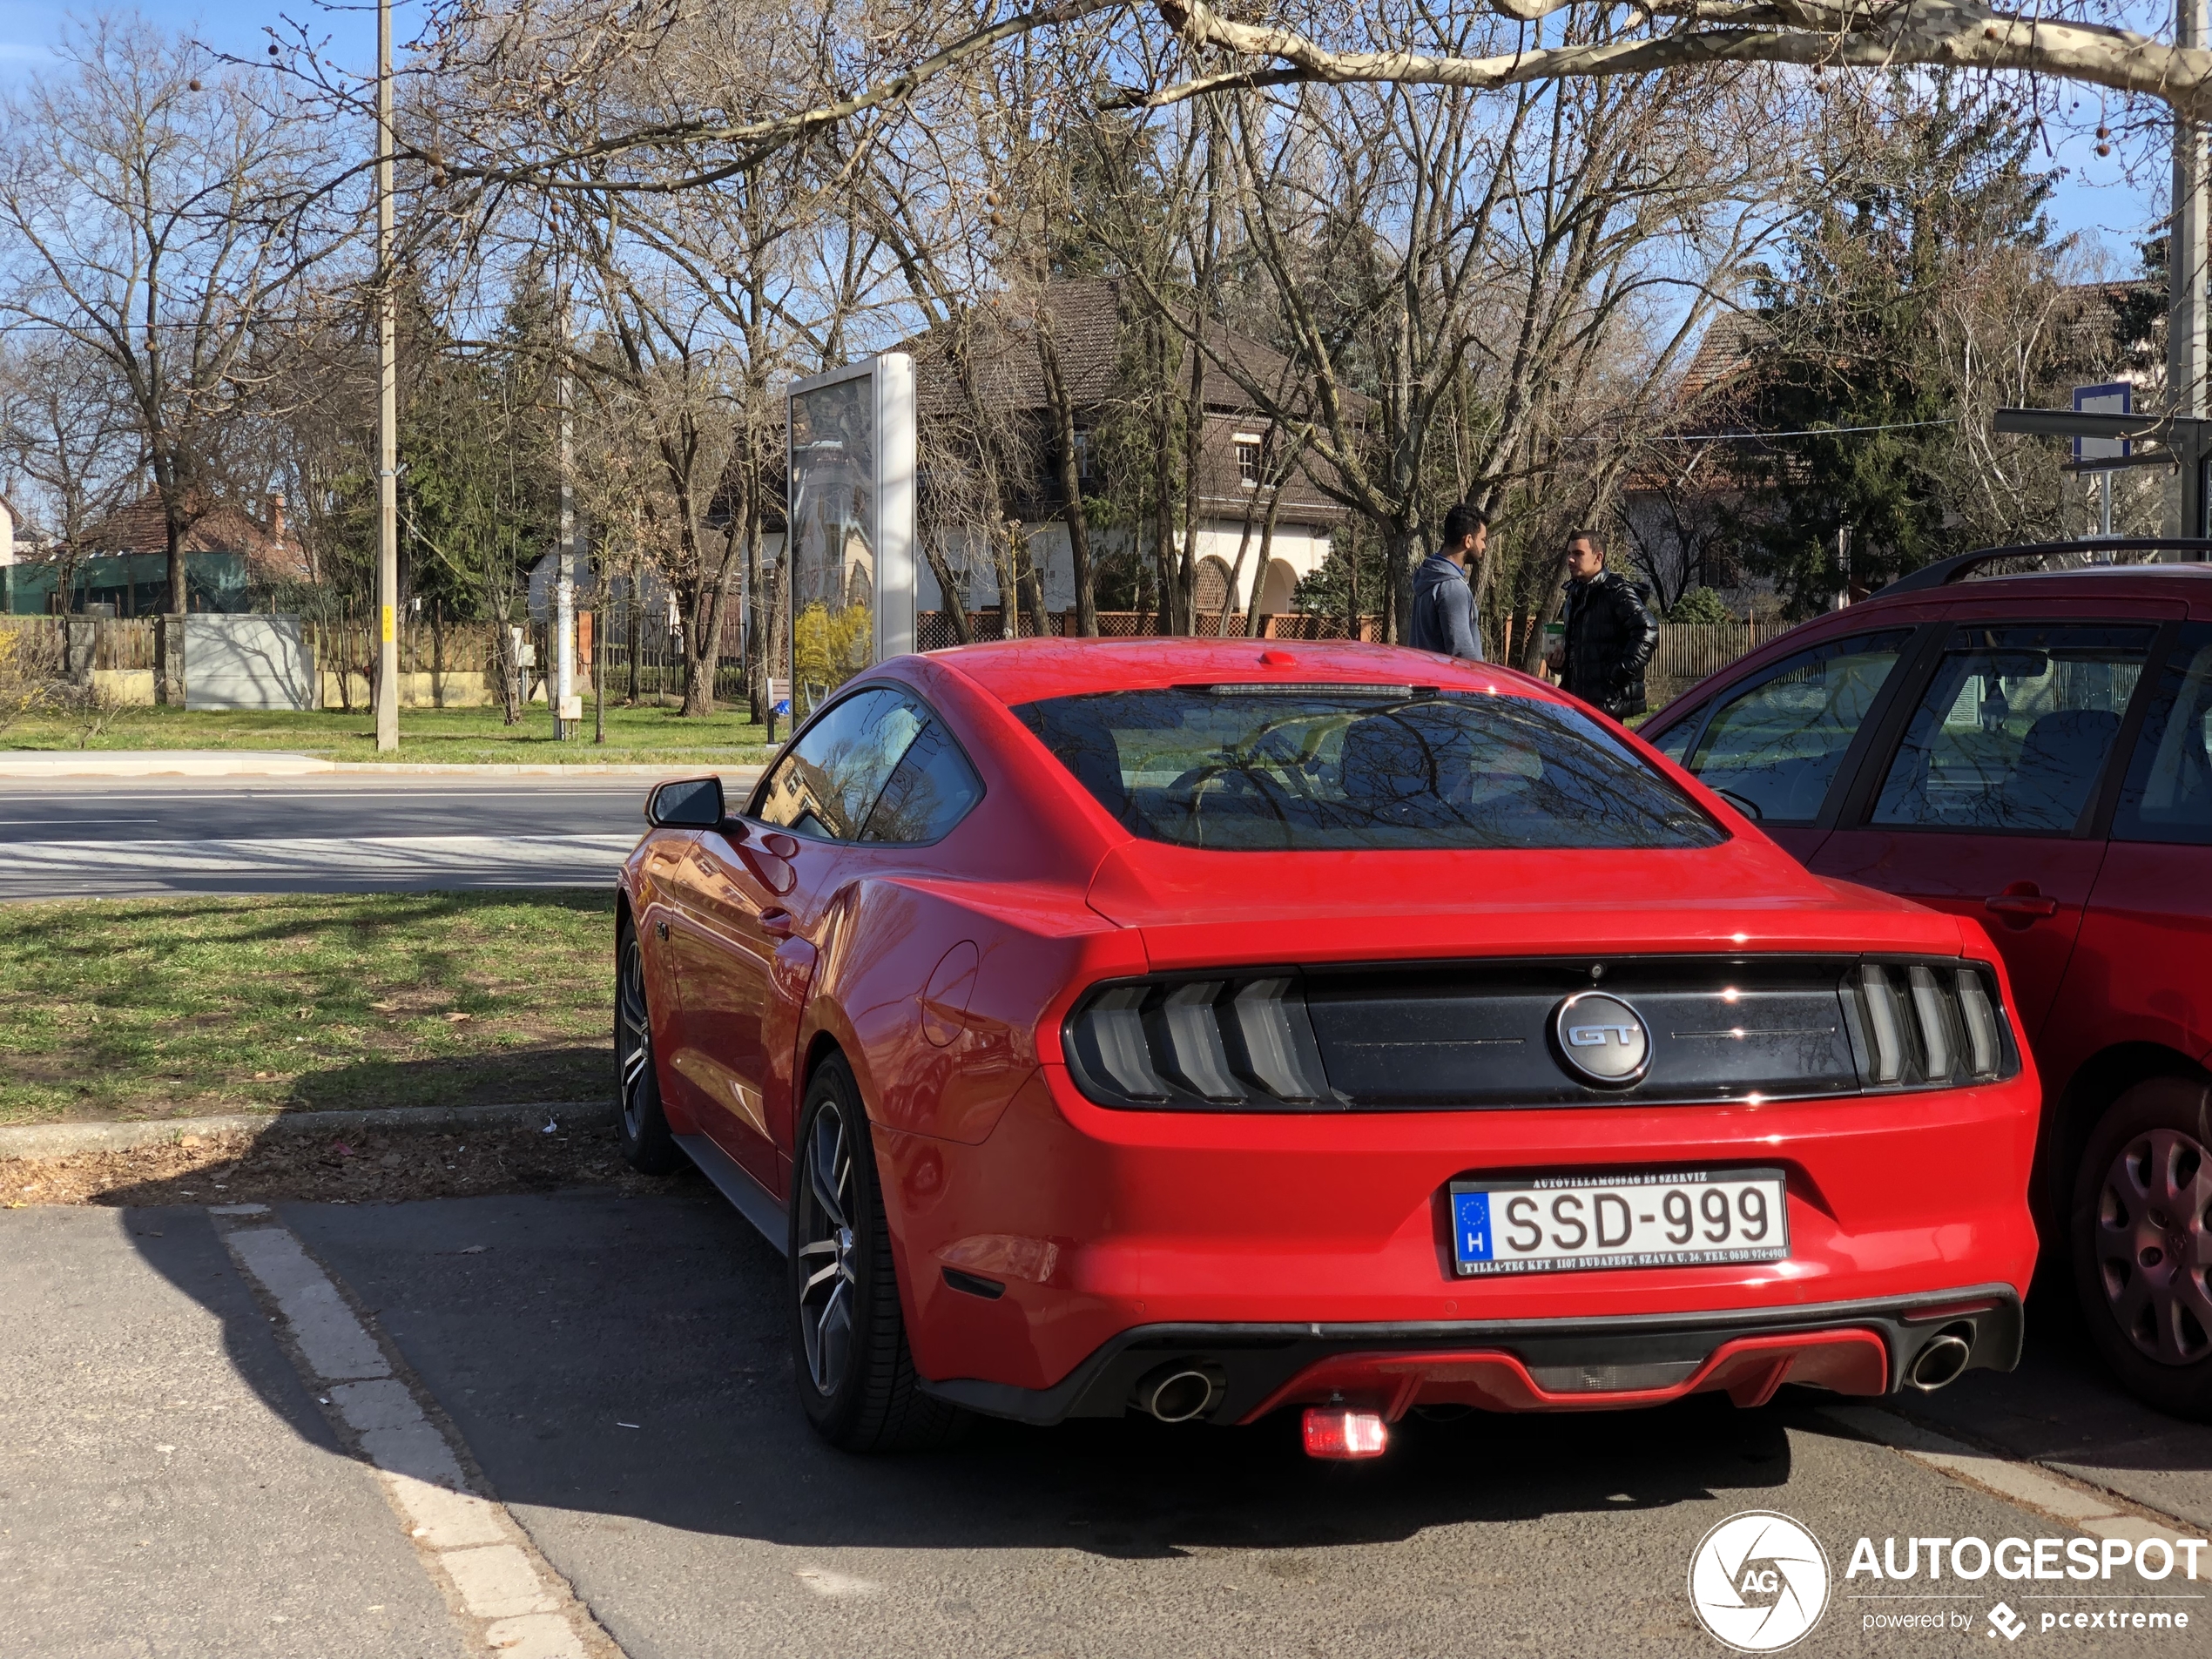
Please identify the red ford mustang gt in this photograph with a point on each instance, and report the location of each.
(1202, 1028)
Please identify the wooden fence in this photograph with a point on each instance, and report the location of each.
(1689, 651)
(120, 644)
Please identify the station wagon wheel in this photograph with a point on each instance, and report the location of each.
(2143, 1241)
(855, 1373)
(640, 1126)
(2151, 1245)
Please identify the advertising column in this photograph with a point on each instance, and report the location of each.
(852, 493)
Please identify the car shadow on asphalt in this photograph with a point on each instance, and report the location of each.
(627, 1357)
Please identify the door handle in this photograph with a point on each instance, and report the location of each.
(2021, 900)
(777, 924)
(661, 927)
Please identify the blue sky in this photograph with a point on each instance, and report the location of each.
(2094, 199)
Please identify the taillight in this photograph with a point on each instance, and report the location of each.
(1221, 1041)
(1923, 1025)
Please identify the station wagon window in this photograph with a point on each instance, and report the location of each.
(2167, 796)
(875, 767)
(2013, 732)
(1776, 746)
(1676, 742)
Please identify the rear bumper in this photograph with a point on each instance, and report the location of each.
(1862, 1348)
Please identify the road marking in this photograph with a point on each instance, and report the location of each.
(506, 1597)
(2024, 1485)
(824, 1581)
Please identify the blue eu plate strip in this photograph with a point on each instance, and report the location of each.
(1470, 1226)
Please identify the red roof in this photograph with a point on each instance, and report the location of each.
(141, 528)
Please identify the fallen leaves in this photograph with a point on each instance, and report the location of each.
(391, 1166)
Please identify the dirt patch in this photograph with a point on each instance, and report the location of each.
(368, 1167)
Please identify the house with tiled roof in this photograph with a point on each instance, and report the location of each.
(1091, 321)
(122, 563)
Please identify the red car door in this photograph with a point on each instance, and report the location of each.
(734, 888)
(759, 900)
(1985, 807)
(2138, 971)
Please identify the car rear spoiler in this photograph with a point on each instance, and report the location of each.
(1943, 573)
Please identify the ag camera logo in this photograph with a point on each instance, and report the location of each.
(1759, 1581)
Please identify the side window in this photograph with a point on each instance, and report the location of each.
(2167, 796)
(2014, 728)
(931, 790)
(1777, 745)
(828, 783)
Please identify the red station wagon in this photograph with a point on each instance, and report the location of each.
(1208, 1029)
(2030, 750)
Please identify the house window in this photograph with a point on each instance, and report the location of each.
(1248, 461)
(1082, 458)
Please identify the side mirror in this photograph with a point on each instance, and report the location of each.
(691, 803)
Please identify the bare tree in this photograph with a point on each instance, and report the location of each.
(162, 211)
(68, 442)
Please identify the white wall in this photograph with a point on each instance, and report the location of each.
(1301, 547)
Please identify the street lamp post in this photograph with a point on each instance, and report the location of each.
(387, 399)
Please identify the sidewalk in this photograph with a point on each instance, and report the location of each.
(271, 763)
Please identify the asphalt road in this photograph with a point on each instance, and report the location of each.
(95, 837)
(615, 1368)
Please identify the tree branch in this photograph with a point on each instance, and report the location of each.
(1810, 32)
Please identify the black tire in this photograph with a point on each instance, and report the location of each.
(2142, 1242)
(848, 1339)
(640, 1125)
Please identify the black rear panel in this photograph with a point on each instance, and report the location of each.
(1479, 1034)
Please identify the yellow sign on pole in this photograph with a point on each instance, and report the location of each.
(387, 638)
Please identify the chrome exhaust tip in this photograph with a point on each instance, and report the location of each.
(1176, 1393)
(1941, 1360)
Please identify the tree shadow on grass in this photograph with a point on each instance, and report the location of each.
(581, 1072)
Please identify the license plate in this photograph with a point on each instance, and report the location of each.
(1570, 1224)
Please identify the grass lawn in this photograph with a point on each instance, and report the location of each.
(475, 735)
(112, 1008)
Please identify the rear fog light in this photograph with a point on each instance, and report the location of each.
(1333, 1432)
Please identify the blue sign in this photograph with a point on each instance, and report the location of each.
(1470, 1226)
(2117, 397)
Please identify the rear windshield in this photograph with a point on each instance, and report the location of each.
(1317, 768)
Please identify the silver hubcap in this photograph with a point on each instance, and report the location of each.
(635, 1059)
(2151, 1245)
(825, 1251)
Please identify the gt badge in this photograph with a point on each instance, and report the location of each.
(1600, 1040)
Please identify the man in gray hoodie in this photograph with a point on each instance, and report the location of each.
(1443, 618)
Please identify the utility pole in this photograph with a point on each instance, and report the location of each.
(567, 710)
(2185, 266)
(387, 408)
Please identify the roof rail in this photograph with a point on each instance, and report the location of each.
(1943, 573)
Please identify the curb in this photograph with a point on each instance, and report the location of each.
(61, 1140)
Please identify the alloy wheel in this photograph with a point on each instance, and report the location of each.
(2152, 1246)
(636, 1059)
(827, 1248)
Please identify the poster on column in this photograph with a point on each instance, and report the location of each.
(851, 572)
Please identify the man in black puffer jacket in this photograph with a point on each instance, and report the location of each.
(1610, 634)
